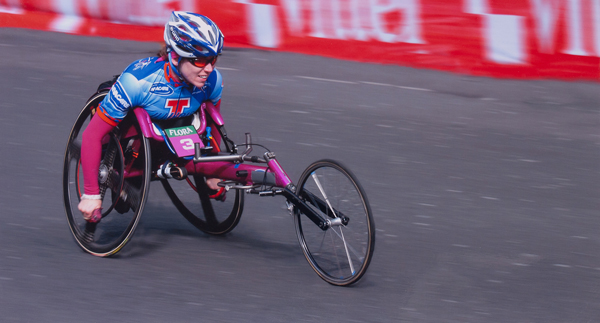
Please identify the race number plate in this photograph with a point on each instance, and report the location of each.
(183, 139)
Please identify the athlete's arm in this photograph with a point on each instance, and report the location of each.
(123, 95)
(91, 151)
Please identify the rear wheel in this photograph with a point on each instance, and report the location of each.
(341, 254)
(124, 177)
(191, 197)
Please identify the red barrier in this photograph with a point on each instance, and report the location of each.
(516, 39)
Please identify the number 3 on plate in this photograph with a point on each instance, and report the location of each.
(187, 144)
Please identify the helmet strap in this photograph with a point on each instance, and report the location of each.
(175, 69)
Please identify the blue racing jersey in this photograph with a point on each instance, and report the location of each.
(150, 83)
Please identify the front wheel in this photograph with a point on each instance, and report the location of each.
(341, 254)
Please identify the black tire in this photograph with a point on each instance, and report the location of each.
(123, 198)
(341, 254)
(191, 198)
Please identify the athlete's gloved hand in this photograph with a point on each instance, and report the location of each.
(87, 208)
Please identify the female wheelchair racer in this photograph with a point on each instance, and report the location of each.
(171, 86)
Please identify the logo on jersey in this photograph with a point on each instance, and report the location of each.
(161, 89)
(176, 106)
(199, 90)
(141, 64)
(118, 98)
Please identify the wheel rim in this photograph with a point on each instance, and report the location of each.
(123, 198)
(341, 254)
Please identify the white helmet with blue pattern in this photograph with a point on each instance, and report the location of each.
(192, 35)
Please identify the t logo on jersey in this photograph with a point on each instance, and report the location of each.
(176, 106)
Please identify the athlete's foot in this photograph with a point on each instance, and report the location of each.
(216, 192)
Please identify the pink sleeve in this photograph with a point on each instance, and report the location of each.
(91, 151)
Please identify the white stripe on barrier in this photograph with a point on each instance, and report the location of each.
(11, 10)
(504, 35)
(504, 38)
(66, 24)
(596, 25)
(67, 7)
(477, 7)
(264, 26)
(576, 31)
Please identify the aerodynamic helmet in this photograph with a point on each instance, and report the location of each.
(193, 35)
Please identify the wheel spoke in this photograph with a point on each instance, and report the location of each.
(74, 151)
(131, 196)
(211, 216)
(207, 207)
(335, 253)
(354, 251)
(109, 156)
(316, 179)
(114, 182)
(108, 162)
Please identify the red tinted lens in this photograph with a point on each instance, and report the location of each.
(203, 61)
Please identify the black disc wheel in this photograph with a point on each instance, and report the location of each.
(124, 177)
(341, 254)
(192, 197)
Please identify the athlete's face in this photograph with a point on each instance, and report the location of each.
(193, 74)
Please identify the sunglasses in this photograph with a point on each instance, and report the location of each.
(203, 61)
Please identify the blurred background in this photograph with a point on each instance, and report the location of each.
(516, 38)
(473, 127)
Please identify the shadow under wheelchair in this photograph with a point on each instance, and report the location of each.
(162, 226)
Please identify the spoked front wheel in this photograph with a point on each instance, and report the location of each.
(124, 177)
(191, 197)
(341, 254)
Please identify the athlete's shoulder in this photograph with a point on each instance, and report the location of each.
(214, 84)
(144, 67)
(215, 79)
(139, 76)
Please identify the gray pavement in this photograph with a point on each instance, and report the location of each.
(485, 193)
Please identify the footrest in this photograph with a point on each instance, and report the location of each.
(233, 185)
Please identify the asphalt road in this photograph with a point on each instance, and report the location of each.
(485, 193)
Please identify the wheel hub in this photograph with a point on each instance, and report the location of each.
(103, 173)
